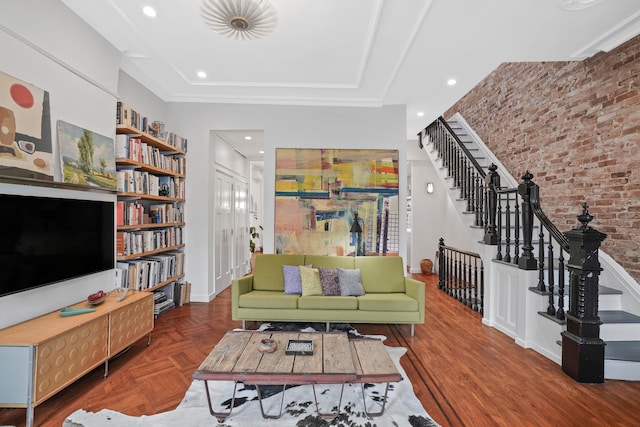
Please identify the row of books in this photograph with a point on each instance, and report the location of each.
(139, 213)
(175, 294)
(140, 241)
(125, 115)
(162, 303)
(147, 272)
(130, 180)
(133, 148)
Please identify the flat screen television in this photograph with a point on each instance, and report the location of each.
(47, 240)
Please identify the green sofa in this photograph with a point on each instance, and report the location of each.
(389, 297)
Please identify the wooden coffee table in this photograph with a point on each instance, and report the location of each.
(336, 359)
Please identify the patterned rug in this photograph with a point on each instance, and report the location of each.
(402, 406)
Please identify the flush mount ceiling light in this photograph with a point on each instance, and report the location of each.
(239, 19)
(576, 4)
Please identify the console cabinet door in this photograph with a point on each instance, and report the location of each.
(130, 323)
(63, 359)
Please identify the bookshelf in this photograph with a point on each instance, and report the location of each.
(151, 173)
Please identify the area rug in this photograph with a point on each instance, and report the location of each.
(402, 406)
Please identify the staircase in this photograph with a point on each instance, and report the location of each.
(620, 329)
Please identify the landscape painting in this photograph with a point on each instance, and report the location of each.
(321, 193)
(88, 158)
(25, 136)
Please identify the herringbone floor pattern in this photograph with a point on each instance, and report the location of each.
(464, 373)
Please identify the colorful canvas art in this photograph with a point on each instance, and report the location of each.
(25, 130)
(88, 158)
(320, 191)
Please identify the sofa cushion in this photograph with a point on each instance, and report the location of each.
(327, 303)
(329, 261)
(329, 281)
(381, 273)
(268, 299)
(267, 273)
(387, 302)
(350, 282)
(292, 280)
(310, 281)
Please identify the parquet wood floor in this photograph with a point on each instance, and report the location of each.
(463, 372)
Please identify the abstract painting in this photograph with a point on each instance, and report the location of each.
(324, 196)
(88, 158)
(25, 130)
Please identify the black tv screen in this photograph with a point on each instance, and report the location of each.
(47, 240)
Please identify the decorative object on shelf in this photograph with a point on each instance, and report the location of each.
(357, 229)
(267, 345)
(25, 140)
(164, 190)
(88, 158)
(426, 265)
(239, 19)
(97, 298)
(71, 311)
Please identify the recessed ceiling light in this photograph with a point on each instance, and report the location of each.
(420, 114)
(248, 138)
(261, 152)
(202, 74)
(451, 82)
(149, 11)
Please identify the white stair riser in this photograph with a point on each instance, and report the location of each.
(620, 331)
(621, 370)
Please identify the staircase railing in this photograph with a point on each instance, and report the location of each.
(467, 174)
(461, 275)
(507, 215)
(556, 240)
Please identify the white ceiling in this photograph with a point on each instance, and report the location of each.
(352, 52)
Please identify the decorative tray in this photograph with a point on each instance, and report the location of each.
(299, 348)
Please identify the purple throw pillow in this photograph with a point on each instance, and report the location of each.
(329, 281)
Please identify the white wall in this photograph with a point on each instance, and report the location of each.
(141, 99)
(44, 44)
(284, 127)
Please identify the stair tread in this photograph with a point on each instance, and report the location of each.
(622, 350)
(617, 316)
(605, 290)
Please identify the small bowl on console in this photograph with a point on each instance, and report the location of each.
(267, 345)
(97, 298)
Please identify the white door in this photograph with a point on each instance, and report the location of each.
(223, 230)
(240, 229)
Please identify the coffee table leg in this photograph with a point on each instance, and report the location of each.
(328, 414)
(384, 402)
(267, 416)
(221, 416)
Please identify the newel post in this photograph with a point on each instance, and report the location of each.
(493, 183)
(441, 263)
(527, 260)
(582, 348)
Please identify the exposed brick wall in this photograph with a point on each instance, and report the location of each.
(576, 127)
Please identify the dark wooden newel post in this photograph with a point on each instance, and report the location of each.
(527, 260)
(582, 348)
(493, 184)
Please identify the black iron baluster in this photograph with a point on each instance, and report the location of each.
(541, 286)
(507, 230)
(560, 315)
(516, 243)
(499, 229)
(551, 308)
